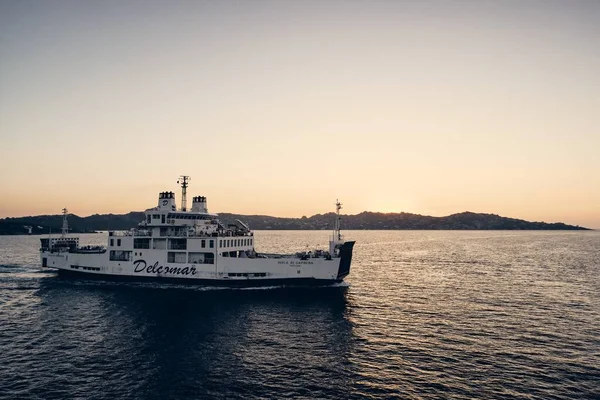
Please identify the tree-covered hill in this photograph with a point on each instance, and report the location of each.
(42, 224)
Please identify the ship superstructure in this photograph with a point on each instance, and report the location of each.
(194, 246)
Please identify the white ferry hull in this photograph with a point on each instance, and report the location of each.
(225, 271)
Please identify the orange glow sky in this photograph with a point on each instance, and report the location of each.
(279, 108)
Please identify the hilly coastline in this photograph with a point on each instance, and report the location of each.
(43, 224)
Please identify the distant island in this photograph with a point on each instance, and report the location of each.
(43, 224)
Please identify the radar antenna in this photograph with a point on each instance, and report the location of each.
(183, 181)
(65, 225)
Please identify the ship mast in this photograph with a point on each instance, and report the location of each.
(65, 224)
(338, 218)
(183, 181)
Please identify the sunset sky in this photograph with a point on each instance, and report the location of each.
(280, 107)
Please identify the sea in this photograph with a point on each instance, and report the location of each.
(422, 315)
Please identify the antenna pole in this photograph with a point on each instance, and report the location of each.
(183, 181)
(338, 207)
(65, 224)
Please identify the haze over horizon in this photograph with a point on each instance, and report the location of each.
(278, 108)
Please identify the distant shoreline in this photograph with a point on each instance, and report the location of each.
(466, 221)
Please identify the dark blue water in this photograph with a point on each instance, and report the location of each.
(427, 315)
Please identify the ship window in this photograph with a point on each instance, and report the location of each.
(221, 243)
(118, 242)
(116, 255)
(227, 243)
(203, 243)
(112, 242)
(141, 243)
(201, 258)
(162, 218)
(176, 257)
(177, 244)
(211, 243)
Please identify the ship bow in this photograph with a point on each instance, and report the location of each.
(345, 259)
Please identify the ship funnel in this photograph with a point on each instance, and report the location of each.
(199, 204)
(166, 201)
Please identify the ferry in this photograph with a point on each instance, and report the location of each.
(193, 246)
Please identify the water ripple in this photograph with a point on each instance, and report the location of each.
(460, 315)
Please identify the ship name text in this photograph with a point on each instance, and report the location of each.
(142, 266)
(294, 263)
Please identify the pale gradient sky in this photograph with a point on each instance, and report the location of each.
(280, 107)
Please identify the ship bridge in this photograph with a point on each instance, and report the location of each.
(167, 220)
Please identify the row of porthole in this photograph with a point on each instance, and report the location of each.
(85, 268)
(235, 242)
